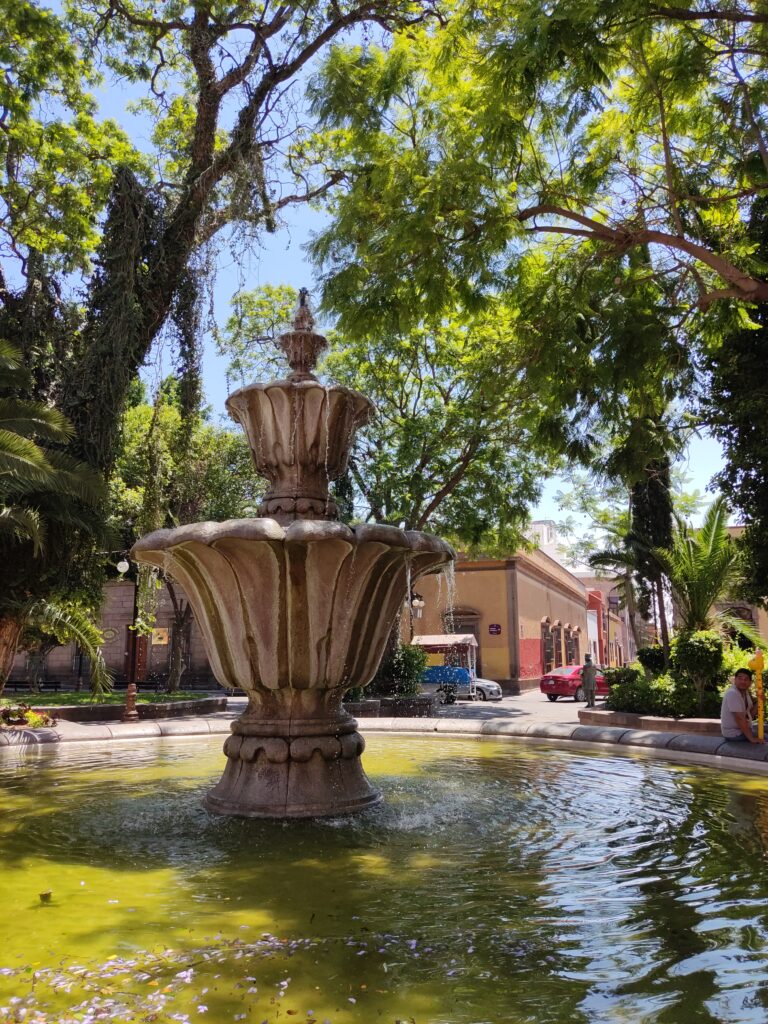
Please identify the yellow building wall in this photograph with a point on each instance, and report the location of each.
(511, 596)
(481, 589)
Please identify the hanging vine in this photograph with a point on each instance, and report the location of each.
(151, 517)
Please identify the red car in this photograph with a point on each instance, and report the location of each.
(566, 682)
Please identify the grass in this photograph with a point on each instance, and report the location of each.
(53, 700)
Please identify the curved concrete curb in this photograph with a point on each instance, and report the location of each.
(686, 747)
(696, 749)
(85, 732)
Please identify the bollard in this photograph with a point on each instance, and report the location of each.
(130, 714)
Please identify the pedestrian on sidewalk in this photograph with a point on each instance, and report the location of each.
(589, 680)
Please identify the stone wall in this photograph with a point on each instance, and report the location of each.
(65, 666)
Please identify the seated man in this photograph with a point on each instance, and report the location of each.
(737, 709)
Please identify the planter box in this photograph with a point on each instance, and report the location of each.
(114, 712)
(622, 719)
(364, 708)
(409, 707)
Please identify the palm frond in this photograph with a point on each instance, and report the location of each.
(732, 623)
(72, 624)
(612, 558)
(30, 418)
(22, 458)
(9, 356)
(702, 567)
(22, 524)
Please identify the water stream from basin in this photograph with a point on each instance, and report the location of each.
(496, 884)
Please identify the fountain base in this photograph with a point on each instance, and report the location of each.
(302, 768)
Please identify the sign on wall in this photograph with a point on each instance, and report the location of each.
(159, 637)
(494, 629)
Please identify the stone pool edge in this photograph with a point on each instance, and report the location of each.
(689, 748)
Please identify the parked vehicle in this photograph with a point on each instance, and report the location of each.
(487, 689)
(449, 682)
(566, 682)
(459, 650)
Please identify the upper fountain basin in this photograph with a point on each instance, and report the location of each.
(304, 607)
(300, 434)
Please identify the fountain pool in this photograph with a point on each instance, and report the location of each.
(496, 883)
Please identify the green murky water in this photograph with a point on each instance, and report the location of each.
(497, 883)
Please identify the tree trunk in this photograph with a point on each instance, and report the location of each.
(629, 597)
(664, 629)
(10, 634)
(179, 647)
(182, 620)
(36, 662)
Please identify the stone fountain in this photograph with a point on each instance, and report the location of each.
(295, 607)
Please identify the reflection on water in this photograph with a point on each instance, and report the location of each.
(495, 884)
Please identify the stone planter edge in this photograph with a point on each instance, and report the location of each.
(114, 712)
(623, 719)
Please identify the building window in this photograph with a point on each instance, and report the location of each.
(547, 650)
(557, 643)
(571, 646)
(463, 620)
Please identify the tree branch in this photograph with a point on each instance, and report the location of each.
(450, 484)
(710, 14)
(623, 238)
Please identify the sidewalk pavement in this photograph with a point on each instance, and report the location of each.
(528, 716)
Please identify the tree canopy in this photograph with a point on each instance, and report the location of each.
(104, 242)
(621, 127)
(598, 167)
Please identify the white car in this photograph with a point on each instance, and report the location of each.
(486, 689)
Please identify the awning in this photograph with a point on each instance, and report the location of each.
(446, 640)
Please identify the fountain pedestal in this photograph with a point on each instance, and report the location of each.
(285, 766)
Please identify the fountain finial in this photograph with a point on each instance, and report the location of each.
(302, 345)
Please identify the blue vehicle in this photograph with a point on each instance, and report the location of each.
(449, 682)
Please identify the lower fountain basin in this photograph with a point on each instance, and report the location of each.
(499, 881)
(295, 616)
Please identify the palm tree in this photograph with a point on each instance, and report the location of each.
(41, 489)
(703, 567)
(622, 563)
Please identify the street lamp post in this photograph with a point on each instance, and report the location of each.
(130, 714)
(415, 607)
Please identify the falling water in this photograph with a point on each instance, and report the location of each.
(449, 573)
(326, 456)
(407, 639)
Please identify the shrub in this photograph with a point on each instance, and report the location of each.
(632, 696)
(665, 696)
(400, 672)
(697, 660)
(621, 676)
(734, 657)
(651, 658)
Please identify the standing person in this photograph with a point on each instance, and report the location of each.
(737, 709)
(589, 680)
